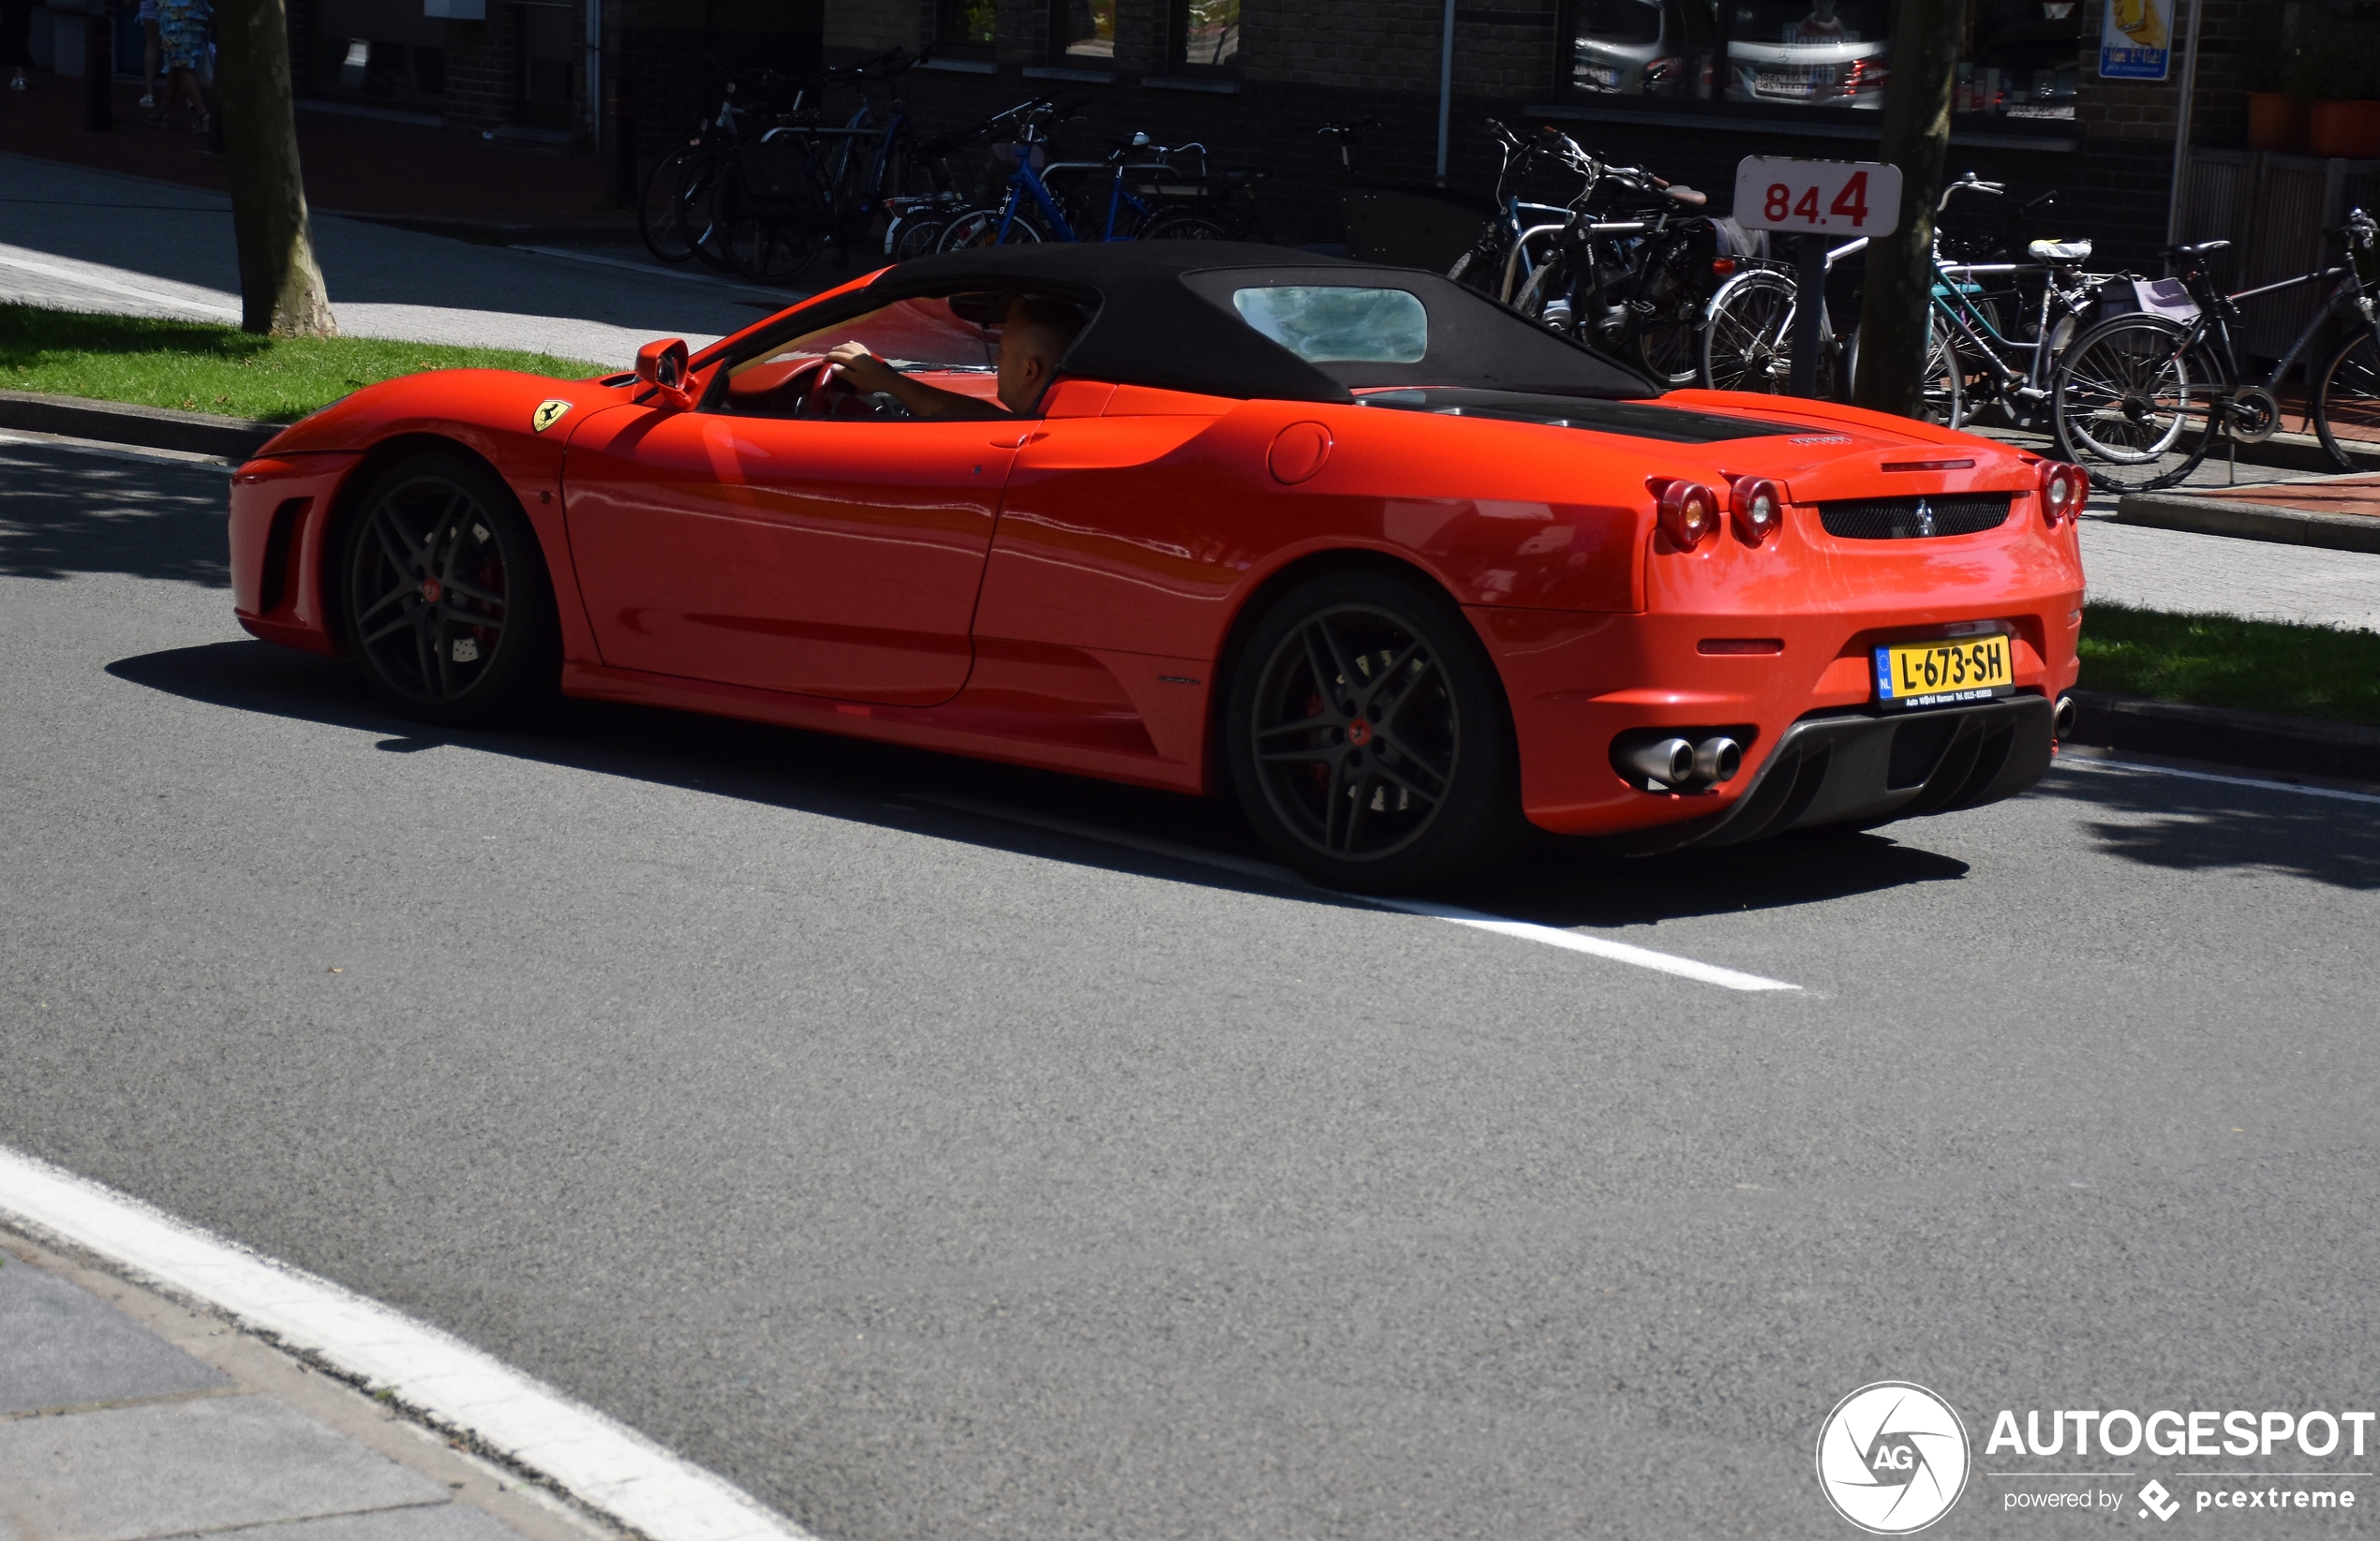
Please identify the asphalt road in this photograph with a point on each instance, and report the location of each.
(938, 1175)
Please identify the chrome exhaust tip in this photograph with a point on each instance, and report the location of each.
(2061, 720)
(1717, 759)
(1669, 760)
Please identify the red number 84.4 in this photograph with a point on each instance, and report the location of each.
(1851, 202)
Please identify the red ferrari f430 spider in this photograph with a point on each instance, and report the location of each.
(1400, 572)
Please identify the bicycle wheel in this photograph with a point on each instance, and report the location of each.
(1185, 227)
(698, 223)
(2131, 407)
(914, 235)
(1748, 341)
(981, 227)
(657, 218)
(1943, 373)
(2346, 400)
(768, 246)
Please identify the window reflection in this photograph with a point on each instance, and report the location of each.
(1653, 48)
(1087, 28)
(1807, 53)
(1210, 32)
(965, 20)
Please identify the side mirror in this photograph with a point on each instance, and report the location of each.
(663, 366)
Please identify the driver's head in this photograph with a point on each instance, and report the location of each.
(1032, 339)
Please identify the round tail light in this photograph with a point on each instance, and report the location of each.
(1722, 266)
(2063, 490)
(1689, 512)
(1758, 508)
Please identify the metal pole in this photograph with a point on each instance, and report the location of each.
(99, 72)
(2181, 126)
(595, 70)
(1809, 308)
(1445, 87)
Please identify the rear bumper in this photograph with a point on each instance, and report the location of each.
(1857, 767)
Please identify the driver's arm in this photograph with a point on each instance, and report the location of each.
(868, 373)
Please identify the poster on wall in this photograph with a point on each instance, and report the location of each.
(2135, 39)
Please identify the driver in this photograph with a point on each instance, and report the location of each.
(1035, 334)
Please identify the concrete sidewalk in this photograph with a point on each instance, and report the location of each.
(87, 240)
(124, 1415)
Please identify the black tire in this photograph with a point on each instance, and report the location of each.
(1367, 736)
(2346, 392)
(2131, 410)
(444, 600)
(700, 209)
(657, 212)
(1185, 227)
(978, 228)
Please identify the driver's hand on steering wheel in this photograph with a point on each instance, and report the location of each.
(861, 370)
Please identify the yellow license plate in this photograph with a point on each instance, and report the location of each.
(1929, 673)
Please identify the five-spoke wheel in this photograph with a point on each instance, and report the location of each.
(445, 601)
(1367, 736)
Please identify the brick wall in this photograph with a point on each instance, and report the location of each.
(483, 70)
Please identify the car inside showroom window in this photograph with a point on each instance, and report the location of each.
(2017, 58)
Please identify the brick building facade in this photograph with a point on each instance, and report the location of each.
(1264, 73)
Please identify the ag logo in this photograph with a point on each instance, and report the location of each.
(548, 413)
(1892, 1458)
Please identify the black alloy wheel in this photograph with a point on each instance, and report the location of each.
(1367, 734)
(444, 596)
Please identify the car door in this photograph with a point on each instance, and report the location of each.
(830, 558)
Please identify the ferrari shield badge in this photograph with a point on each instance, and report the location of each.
(548, 413)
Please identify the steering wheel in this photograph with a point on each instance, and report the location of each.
(827, 388)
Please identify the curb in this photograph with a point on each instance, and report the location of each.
(2256, 740)
(2281, 453)
(489, 232)
(120, 422)
(2250, 521)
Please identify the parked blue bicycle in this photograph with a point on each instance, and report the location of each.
(1034, 212)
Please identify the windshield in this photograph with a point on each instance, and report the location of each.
(909, 335)
(1620, 21)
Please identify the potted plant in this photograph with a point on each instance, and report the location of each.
(2276, 119)
(2337, 77)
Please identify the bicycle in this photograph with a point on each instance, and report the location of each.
(1995, 368)
(1614, 265)
(1127, 217)
(2140, 399)
(1747, 342)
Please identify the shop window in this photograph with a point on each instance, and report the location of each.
(2019, 57)
(1083, 30)
(967, 22)
(2022, 59)
(379, 68)
(1205, 34)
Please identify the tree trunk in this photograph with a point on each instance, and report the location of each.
(281, 290)
(1900, 277)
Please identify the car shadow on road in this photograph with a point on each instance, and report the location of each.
(65, 512)
(1013, 808)
(2186, 825)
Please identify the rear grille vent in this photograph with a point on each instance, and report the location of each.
(1914, 518)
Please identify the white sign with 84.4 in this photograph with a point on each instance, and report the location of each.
(1843, 198)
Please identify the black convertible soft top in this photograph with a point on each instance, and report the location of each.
(1165, 319)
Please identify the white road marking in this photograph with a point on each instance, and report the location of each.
(8, 257)
(2076, 762)
(1579, 942)
(1551, 935)
(453, 1386)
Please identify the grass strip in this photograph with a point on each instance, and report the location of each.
(199, 367)
(2223, 660)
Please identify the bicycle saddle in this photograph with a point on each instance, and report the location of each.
(2198, 248)
(1687, 196)
(2059, 252)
